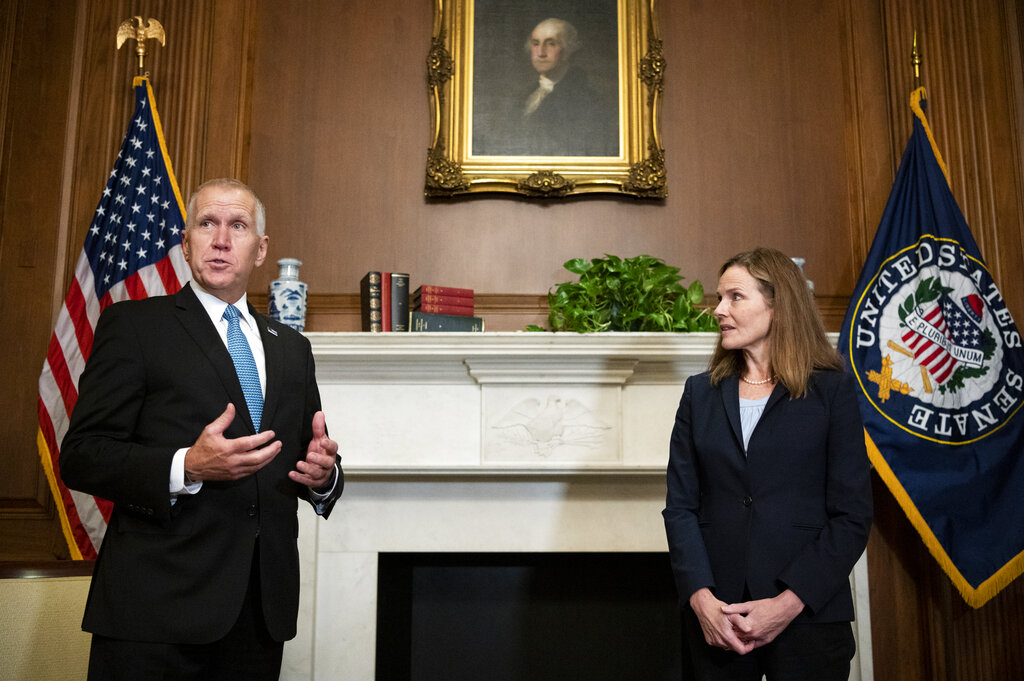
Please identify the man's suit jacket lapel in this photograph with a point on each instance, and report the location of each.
(192, 315)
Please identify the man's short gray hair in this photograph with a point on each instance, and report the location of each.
(230, 183)
(566, 31)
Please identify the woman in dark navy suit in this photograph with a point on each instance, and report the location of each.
(769, 494)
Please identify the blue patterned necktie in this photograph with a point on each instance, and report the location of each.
(245, 366)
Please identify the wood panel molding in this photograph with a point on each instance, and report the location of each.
(7, 38)
(870, 165)
(34, 83)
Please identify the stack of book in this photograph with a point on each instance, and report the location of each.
(444, 308)
(384, 299)
(387, 305)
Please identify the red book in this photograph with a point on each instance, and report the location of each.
(385, 300)
(444, 291)
(443, 308)
(464, 301)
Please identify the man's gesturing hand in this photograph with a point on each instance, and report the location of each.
(315, 471)
(214, 457)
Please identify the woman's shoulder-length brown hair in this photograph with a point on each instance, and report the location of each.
(797, 335)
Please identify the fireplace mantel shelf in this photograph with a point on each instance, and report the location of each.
(505, 403)
(493, 357)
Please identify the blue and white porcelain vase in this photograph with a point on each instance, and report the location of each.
(800, 262)
(287, 299)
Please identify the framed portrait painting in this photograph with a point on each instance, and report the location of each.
(545, 98)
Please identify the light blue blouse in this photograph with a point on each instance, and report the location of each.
(750, 414)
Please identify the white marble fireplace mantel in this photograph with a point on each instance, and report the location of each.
(492, 442)
(530, 402)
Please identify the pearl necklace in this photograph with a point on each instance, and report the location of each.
(761, 382)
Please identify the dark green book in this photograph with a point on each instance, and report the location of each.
(426, 321)
(399, 301)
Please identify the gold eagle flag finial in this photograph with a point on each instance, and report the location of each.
(129, 29)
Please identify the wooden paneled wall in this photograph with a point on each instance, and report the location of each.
(783, 124)
(32, 146)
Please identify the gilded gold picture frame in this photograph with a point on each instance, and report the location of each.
(496, 126)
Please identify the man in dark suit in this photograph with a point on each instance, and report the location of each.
(198, 573)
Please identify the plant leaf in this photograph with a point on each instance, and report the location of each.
(577, 265)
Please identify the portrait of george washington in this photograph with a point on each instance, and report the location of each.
(545, 79)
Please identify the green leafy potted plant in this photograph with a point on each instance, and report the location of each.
(626, 294)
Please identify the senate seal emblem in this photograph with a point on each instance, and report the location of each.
(927, 344)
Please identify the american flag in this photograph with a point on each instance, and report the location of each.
(954, 326)
(132, 251)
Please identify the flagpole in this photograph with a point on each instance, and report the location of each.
(915, 61)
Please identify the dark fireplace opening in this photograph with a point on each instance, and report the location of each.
(527, 617)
